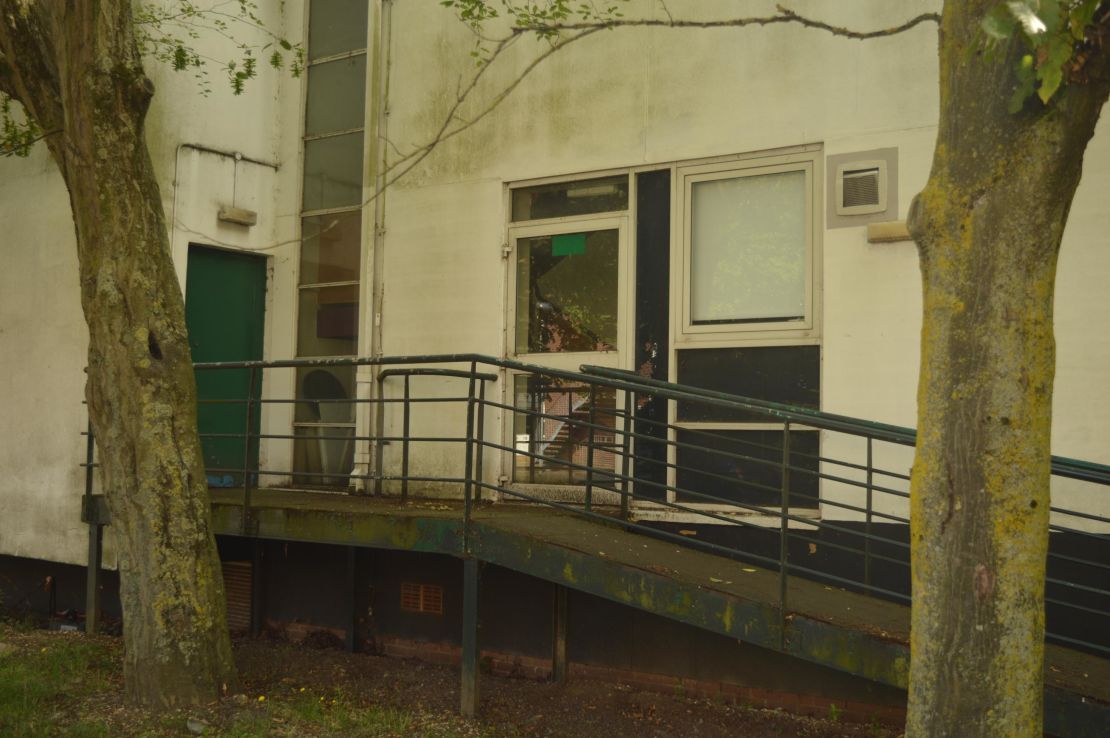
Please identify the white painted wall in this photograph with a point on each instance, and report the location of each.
(43, 338)
(616, 100)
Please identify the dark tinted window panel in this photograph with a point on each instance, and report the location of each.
(653, 248)
(722, 467)
(335, 26)
(583, 197)
(786, 374)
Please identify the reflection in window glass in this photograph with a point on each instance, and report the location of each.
(748, 249)
(746, 467)
(336, 95)
(327, 321)
(554, 431)
(566, 292)
(601, 195)
(328, 392)
(335, 26)
(330, 248)
(333, 172)
(324, 456)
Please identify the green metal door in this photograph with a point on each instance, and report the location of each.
(225, 298)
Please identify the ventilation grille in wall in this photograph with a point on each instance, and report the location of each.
(427, 598)
(861, 188)
(237, 589)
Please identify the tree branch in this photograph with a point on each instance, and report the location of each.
(579, 31)
(784, 16)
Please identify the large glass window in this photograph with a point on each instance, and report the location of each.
(748, 248)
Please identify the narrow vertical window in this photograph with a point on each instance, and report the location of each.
(331, 239)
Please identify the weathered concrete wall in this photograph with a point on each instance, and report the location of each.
(614, 101)
(42, 331)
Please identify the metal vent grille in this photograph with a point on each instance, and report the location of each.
(861, 188)
(237, 588)
(427, 598)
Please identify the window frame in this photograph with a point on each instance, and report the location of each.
(571, 360)
(684, 330)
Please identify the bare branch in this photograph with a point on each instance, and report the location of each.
(784, 16)
(453, 125)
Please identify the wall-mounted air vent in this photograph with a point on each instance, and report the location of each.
(861, 187)
(426, 598)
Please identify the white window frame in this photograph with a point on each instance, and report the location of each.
(571, 360)
(684, 331)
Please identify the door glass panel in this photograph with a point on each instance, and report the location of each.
(333, 172)
(330, 248)
(327, 321)
(335, 26)
(553, 432)
(748, 249)
(566, 292)
(336, 95)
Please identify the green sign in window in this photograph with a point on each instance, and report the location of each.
(568, 244)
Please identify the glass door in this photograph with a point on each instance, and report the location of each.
(570, 290)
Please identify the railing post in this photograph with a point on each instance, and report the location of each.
(468, 472)
(626, 447)
(246, 528)
(96, 541)
(867, 524)
(589, 445)
(379, 430)
(480, 450)
(784, 549)
(405, 421)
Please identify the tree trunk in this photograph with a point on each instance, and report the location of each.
(75, 66)
(988, 227)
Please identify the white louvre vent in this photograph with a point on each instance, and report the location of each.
(861, 188)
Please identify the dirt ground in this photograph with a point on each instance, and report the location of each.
(522, 707)
(297, 690)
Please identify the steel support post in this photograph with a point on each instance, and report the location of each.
(258, 586)
(471, 576)
(559, 636)
(92, 580)
(350, 605)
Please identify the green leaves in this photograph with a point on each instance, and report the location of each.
(1055, 34)
(17, 133)
(169, 32)
(545, 19)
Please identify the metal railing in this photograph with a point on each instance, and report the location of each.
(796, 490)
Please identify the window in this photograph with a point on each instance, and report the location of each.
(745, 310)
(748, 248)
(331, 240)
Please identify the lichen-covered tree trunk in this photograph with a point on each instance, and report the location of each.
(75, 67)
(988, 227)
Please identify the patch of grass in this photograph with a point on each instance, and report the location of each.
(40, 688)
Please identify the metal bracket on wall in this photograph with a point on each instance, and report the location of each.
(94, 510)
